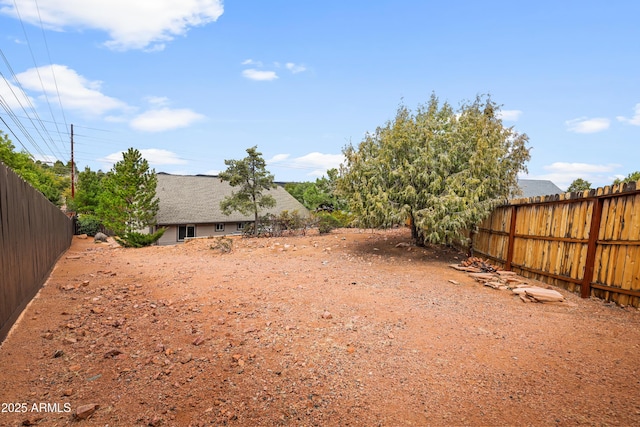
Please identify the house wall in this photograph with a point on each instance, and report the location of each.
(170, 237)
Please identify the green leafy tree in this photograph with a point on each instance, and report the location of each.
(579, 184)
(88, 190)
(128, 200)
(443, 170)
(299, 191)
(39, 176)
(253, 180)
(321, 193)
(632, 177)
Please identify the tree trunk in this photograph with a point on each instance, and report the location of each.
(255, 215)
(255, 223)
(415, 234)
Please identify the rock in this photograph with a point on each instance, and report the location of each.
(198, 341)
(112, 353)
(155, 421)
(85, 411)
(58, 353)
(100, 237)
(327, 315)
(82, 236)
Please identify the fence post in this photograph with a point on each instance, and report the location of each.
(585, 286)
(512, 234)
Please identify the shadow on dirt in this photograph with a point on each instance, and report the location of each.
(396, 244)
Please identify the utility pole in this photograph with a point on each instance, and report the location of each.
(72, 167)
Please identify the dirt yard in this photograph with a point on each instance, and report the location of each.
(345, 329)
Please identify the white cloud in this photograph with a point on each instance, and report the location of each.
(163, 119)
(130, 24)
(278, 158)
(253, 74)
(155, 157)
(635, 120)
(13, 96)
(580, 167)
(295, 68)
(584, 125)
(76, 92)
(252, 62)
(157, 101)
(564, 173)
(318, 163)
(509, 115)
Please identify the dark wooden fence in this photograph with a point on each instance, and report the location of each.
(586, 242)
(33, 235)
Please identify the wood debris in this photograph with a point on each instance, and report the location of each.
(537, 294)
(482, 271)
(478, 263)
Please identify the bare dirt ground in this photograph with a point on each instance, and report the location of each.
(344, 329)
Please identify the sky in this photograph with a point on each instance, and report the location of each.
(191, 83)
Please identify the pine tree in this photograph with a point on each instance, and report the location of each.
(252, 178)
(128, 200)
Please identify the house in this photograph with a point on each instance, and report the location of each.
(537, 187)
(189, 206)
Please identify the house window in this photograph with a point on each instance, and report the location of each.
(219, 227)
(240, 226)
(185, 231)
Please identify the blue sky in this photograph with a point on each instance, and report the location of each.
(191, 83)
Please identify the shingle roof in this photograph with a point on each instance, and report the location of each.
(537, 187)
(189, 199)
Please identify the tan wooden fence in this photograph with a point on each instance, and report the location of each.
(33, 235)
(586, 242)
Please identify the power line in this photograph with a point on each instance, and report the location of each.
(44, 91)
(28, 101)
(53, 73)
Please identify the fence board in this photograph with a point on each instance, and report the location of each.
(553, 241)
(33, 234)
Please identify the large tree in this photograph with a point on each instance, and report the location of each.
(253, 180)
(41, 177)
(632, 177)
(128, 200)
(579, 184)
(319, 194)
(441, 169)
(87, 193)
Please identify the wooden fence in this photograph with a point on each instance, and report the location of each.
(33, 235)
(586, 242)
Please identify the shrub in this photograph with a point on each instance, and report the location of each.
(89, 225)
(138, 240)
(326, 222)
(345, 219)
(222, 244)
